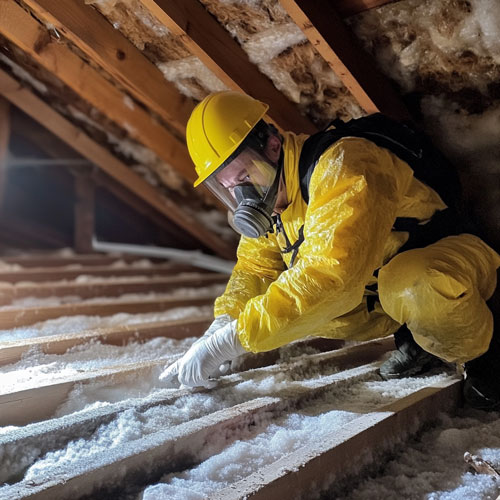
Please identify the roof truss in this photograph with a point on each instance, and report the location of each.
(75, 138)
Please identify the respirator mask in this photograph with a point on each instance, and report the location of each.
(248, 185)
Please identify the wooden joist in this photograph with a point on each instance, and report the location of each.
(205, 38)
(43, 274)
(33, 38)
(41, 402)
(315, 468)
(147, 458)
(12, 351)
(13, 318)
(10, 292)
(56, 393)
(75, 138)
(95, 37)
(325, 30)
(54, 260)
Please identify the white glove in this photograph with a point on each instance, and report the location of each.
(205, 356)
(219, 322)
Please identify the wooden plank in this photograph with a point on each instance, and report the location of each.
(10, 292)
(94, 36)
(148, 458)
(50, 435)
(38, 403)
(13, 318)
(4, 145)
(325, 30)
(74, 137)
(33, 38)
(11, 352)
(43, 274)
(84, 213)
(313, 469)
(202, 35)
(347, 8)
(55, 260)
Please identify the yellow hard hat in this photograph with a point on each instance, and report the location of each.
(217, 126)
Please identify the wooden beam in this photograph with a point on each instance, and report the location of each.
(84, 213)
(74, 137)
(107, 288)
(42, 274)
(31, 405)
(11, 352)
(56, 260)
(150, 457)
(13, 318)
(33, 38)
(347, 8)
(4, 145)
(322, 25)
(26, 444)
(95, 37)
(314, 468)
(205, 38)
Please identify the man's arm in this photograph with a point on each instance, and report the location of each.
(355, 191)
(259, 264)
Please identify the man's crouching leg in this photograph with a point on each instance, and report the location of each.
(409, 359)
(440, 293)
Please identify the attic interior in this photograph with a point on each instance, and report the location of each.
(95, 96)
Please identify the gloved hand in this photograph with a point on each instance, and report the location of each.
(218, 323)
(205, 356)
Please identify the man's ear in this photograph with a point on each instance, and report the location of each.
(273, 148)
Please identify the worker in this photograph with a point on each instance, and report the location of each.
(329, 261)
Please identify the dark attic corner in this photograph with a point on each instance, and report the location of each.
(248, 249)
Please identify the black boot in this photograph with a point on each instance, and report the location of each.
(409, 359)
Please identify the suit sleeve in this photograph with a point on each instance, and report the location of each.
(259, 264)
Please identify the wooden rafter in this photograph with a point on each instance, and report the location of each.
(91, 33)
(34, 39)
(322, 25)
(75, 138)
(205, 38)
(346, 8)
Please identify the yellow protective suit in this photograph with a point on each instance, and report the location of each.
(357, 190)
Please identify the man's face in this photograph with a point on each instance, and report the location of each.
(248, 168)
